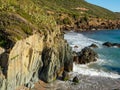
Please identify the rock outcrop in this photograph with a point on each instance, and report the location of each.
(91, 24)
(34, 47)
(109, 44)
(86, 55)
(36, 57)
(93, 46)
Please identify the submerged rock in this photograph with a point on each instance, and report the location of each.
(116, 44)
(108, 44)
(93, 46)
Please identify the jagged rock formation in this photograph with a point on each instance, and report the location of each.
(86, 55)
(33, 58)
(33, 46)
(93, 46)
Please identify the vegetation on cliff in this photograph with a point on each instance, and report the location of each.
(34, 47)
(19, 19)
(78, 14)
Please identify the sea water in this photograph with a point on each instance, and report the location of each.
(108, 63)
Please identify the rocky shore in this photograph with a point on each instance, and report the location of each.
(91, 24)
(32, 59)
(85, 83)
(32, 46)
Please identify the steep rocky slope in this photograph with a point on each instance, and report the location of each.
(31, 46)
(32, 59)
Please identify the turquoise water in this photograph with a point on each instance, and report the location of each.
(104, 35)
(108, 63)
(110, 55)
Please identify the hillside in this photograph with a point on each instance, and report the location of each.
(78, 7)
(118, 14)
(77, 14)
(30, 16)
(32, 46)
(19, 19)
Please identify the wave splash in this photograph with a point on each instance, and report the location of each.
(77, 39)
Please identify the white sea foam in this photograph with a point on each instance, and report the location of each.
(85, 70)
(77, 39)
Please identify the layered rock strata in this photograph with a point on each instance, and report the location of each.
(36, 57)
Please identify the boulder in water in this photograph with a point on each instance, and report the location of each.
(93, 45)
(75, 79)
(116, 44)
(108, 44)
(86, 55)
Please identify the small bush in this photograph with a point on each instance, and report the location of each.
(66, 21)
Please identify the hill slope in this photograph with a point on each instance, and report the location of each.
(39, 15)
(31, 44)
(75, 7)
(77, 14)
(20, 19)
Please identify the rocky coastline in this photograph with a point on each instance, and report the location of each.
(76, 81)
(33, 51)
(91, 24)
(32, 59)
(41, 61)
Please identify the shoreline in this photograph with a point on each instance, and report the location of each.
(86, 83)
(90, 30)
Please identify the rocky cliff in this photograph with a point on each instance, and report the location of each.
(36, 57)
(32, 47)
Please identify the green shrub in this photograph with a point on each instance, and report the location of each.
(66, 21)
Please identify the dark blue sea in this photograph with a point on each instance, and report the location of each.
(108, 63)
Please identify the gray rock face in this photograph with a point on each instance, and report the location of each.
(54, 62)
(36, 57)
(87, 55)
